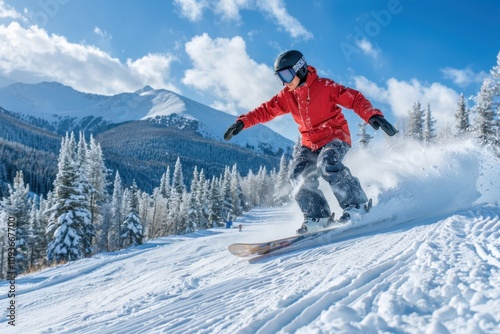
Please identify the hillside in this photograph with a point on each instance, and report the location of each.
(61, 108)
(434, 268)
(141, 133)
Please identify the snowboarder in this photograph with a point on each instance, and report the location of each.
(314, 104)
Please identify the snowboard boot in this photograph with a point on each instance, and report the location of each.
(315, 224)
(354, 213)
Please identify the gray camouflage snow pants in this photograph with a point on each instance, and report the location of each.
(306, 168)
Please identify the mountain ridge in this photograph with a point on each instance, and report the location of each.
(58, 105)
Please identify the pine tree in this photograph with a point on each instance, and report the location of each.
(238, 202)
(485, 125)
(495, 73)
(365, 137)
(96, 175)
(114, 240)
(227, 198)
(18, 205)
(38, 242)
(178, 179)
(416, 122)
(175, 206)
(203, 200)
(215, 203)
(85, 188)
(70, 230)
(429, 133)
(193, 206)
(154, 225)
(165, 184)
(189, 214)
(462, 117)
(283, 188)
(132, 227)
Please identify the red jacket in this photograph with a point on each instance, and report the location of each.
(315, 107)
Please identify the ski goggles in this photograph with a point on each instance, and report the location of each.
(287, 74)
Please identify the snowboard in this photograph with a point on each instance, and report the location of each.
(250, 249)
(253, 249)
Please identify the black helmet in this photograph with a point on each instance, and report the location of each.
(288, 64)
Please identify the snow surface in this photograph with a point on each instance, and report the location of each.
(433, 268)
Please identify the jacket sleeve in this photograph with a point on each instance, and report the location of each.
(353, 99)
(265, 112)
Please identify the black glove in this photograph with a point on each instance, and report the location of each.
(233, 130)
(378, 121)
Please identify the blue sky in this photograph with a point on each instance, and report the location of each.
(221, 52)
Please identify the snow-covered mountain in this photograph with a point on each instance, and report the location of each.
(5, 82)
(55, 102)
(434, 268)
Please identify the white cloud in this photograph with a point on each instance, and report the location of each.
(463, 77)
(102, 33)
(223, 68)
(368, 49)
(277, 9)
(8, 12)
(401, 95)
(191, 9)
(32, 52)
(230, 10)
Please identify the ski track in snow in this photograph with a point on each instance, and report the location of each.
(433, 267)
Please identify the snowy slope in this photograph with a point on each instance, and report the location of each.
(434, 268)
(52, 101)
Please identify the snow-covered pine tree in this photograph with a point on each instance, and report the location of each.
(18, 205)
(415, 128)
(165, 184)
(69, 230)
(203, 200)
(85, 187)
(283, 187)
(462, 117)
(193, 205)
(38, 241)
(365, 137)
(227, 198)
(175, 204)
(154, 223)
(236, 192)
(188, 220)
(215, 203)
(132, 227)
(178, 179)
(495, 74)
(429, 132)
(485, 123)
(114, 240)
(249, 189)
(264, 187)
(96, 175)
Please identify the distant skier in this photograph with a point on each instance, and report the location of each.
(314, 104)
